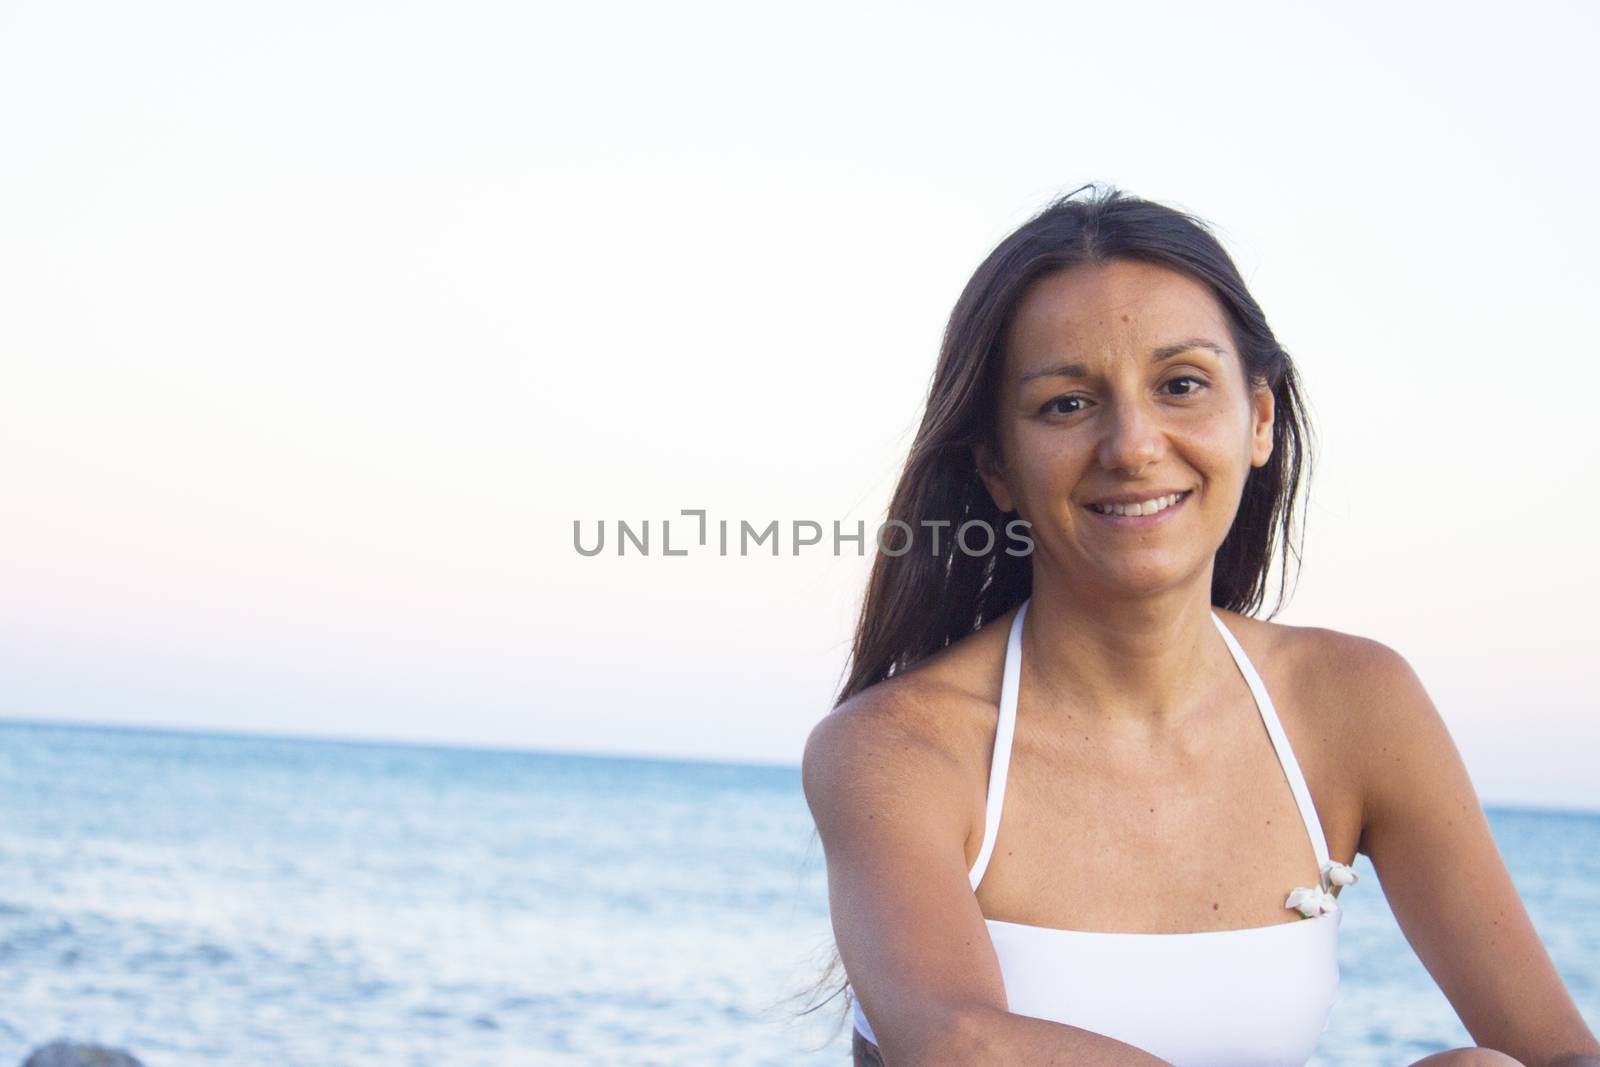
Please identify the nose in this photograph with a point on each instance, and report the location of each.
(1133, 438)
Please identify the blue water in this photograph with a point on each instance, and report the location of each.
(240, 900)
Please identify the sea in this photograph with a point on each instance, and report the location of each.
(275, 902)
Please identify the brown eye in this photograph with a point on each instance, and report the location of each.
(1055, 406)
(1187, 378)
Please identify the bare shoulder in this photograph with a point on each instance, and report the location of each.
(923, 734)
(886, 731)
(917, 719)
(1370, 688)
(1362, 703)
(1328, 671)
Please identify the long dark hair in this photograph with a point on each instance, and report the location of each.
(918, 601)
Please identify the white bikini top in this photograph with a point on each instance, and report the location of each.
(1260, 996)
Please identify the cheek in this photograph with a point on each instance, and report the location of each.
(1046, 462)
(1222, 432)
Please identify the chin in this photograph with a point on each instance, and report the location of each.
(1146, 580)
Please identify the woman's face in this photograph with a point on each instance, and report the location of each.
(1121, 383)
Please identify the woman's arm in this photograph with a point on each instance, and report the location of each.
(891, 810)
(1443, 875)
(1007, 1038)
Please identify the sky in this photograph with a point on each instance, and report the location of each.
(323, 324)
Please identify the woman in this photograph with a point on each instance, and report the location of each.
(1183, 786)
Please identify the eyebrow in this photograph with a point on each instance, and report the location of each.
(1078, 370)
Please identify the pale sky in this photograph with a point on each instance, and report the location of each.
(322, 323)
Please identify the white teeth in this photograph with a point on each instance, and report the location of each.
(1146, 507)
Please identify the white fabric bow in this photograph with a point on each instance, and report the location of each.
(1311, 902)
(1339, 874)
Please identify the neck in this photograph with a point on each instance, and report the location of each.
(1132, 663)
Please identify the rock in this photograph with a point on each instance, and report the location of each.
(77, 1054)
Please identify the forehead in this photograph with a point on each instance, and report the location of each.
(1100, 310)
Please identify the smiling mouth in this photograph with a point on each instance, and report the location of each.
(1153, 506)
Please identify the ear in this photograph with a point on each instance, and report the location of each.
(992, 471)
(1263, 409)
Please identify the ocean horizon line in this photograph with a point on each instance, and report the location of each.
(377, 741)
(445, 745)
